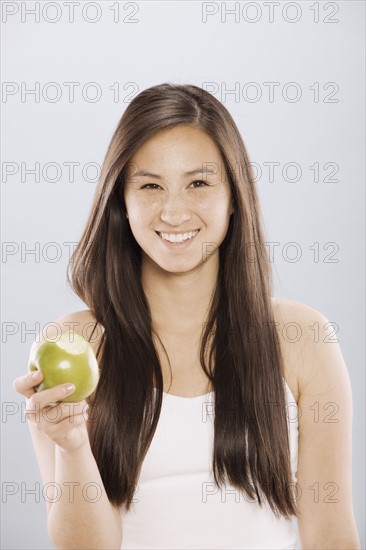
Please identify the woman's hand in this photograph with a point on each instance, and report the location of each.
(63, 423)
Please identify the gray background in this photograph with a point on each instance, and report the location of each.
(169, 42)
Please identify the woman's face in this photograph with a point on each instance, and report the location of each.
(161, 197)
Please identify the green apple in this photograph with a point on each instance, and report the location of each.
(67, 358)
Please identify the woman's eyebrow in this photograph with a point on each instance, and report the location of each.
(185, 174)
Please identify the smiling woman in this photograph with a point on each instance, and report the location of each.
(179, 213)
(189, 434)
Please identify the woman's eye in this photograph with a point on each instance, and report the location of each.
(147, 185)
(199, 181)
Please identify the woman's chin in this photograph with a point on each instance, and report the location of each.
(171, 265)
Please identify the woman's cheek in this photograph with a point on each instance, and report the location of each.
(208, 205)
(143, 206)
(148, 204)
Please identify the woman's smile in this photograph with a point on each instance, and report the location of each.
(177, 240)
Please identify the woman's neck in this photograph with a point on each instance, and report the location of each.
(179, 301)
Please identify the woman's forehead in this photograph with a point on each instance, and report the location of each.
(176, 147)
(186, 138)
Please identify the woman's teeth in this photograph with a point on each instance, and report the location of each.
(178, 238)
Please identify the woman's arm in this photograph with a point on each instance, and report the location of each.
(83, 517)
(79, 513)
(75, 524)
(324, 474)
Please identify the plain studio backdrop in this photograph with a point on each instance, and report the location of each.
(292, 76)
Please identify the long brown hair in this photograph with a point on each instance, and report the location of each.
(245, 367)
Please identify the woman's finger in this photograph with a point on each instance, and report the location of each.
(25, 384)
(50, 396)
(62, 425)
(45, 412)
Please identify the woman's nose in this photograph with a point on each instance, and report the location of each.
(174, 209)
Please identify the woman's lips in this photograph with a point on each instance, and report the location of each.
(178, 244)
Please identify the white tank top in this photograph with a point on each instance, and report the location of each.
(176, 504)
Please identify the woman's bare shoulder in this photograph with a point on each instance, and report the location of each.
(313, 353)
(299, 327)
(298, 311)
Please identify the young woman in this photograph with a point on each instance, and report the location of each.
(221, 413)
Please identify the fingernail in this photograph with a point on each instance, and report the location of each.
(35, 374)
(69, 388)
